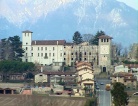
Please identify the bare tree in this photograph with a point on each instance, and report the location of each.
(87, 37)
(118, 49)
(125, 52)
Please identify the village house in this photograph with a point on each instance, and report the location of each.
(84, 79)
(128, 79)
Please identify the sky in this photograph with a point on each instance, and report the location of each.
(131, 3)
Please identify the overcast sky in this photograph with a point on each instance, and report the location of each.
(132, 3)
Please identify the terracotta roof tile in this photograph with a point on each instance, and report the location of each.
(48, 42)
(27, 31)
(105, 37)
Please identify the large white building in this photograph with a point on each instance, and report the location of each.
(59, 52)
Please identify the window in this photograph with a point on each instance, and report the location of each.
(41, 54)
(26, 54)
(89, 53)
(38, 54)
(45, 48)
(85, 53)
(26, 60)
(49, 54)
(85, 59)
(53, 54)
(41, 48)
(101, 40)
(32, 54)
(26, 43)
(104, 40)
(26, 48)
(71, 58)
(64, 59)
(53, 48)
(32, 48)
(61, 54)
(107, 40)
(71, 53)
(38, 48)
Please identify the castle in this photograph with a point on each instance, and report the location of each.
(60, 52)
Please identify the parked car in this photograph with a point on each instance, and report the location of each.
(135, 94)
(101, 83)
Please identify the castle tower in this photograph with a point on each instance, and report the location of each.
(105, 52)
(26, 45)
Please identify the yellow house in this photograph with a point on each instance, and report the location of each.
(85, 78)
(40, 78)
(128, 79)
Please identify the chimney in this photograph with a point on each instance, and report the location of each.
(41, 69)
(57, 42)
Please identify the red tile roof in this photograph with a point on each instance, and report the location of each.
(27, 31)
(48, 42)
(105, 37)
(59, 73)
(86, 80)
(83, 63)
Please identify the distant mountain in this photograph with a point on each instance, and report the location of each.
(61, 20)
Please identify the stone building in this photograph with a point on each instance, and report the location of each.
(59, 52)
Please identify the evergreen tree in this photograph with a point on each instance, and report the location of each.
(11, 48)
(77, 38)
(95, 40)
(120, 97)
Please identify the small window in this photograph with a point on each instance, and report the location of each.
(104, 40)
(89, 53)
(41, 48)
(26, 48)
(53, 54)
(85, 59)
(26, 60)
(32, 48)
(64, 53)
(38, 54)
(71, 53)
(40, 75)
(41, 54)
(101, 40)
(53, 48)
(71, 58)
(26, 54)
(61, 54)
(45, 48)
(38, 48)
(85, 53)
(32, 54)
(50, 54)
(26, 43)
(64, 59)
(107, 40)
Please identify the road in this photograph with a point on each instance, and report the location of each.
(104, 97)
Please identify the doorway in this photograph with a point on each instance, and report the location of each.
(104, 69)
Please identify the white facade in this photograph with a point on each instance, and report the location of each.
(121, 68)
(57, 52)
(42, 52)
